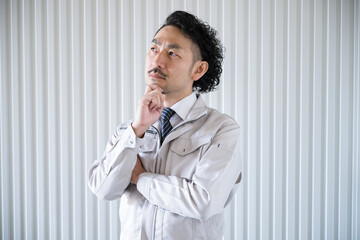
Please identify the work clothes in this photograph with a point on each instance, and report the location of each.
(190, 177)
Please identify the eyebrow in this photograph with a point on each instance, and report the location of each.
(173, 45)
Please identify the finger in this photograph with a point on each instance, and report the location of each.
(157, 99)
(153, 99)
(159, 104)
(161, 96)
(146, 100)
(148, 89)
(153, 93)
(156, 94)
(159, 110)
(152, 88)
(155, 103)
(152, 105)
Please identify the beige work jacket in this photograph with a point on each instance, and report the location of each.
(190, 177)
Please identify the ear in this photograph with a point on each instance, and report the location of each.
(199, 69)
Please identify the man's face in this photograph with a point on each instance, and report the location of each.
(169, 62)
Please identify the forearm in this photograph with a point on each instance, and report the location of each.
(109, 176)
(174, 194)
(202, 197)
(109, 183)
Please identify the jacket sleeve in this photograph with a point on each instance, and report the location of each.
(110, 176)
(214, 180)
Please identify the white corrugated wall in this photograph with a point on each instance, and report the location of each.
(72, 70)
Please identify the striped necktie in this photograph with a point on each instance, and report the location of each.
(166, 127)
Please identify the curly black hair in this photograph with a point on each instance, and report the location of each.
(206, 38)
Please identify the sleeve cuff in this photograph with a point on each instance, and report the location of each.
(144, 183)
(127, 140)
(130, 140)
(143, 144)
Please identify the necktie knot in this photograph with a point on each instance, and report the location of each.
(166, 127)
(166, 114)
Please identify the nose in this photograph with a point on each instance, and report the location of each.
(160, 59)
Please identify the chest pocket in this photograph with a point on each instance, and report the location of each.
(183, 146)
(184, 156)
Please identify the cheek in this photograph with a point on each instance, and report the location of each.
(148, 60)
(183, 70)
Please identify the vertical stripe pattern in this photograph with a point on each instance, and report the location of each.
(72, 70)
(166, 127)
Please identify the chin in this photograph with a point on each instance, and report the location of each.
(154, 81)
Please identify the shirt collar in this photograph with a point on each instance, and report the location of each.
(183, 107)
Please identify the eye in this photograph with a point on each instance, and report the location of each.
(153, 49)
(171, 53)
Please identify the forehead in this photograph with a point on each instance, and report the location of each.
(170, 35)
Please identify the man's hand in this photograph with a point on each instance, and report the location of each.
(149, 110)
(138, 169)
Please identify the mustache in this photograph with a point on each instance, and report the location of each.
(158, 71)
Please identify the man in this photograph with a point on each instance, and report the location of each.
(175, 167)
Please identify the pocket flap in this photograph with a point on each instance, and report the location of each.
(183, 146)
